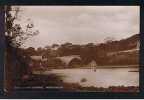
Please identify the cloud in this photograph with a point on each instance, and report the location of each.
(80, 24)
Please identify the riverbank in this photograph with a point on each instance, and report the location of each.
(103, 66)
(136, 68)
(112, 66)
(74, 87)
(52, 81)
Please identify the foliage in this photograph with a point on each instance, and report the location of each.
(17, 60)
(16, 35)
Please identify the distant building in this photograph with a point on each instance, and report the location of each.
(92, 64)
(138, 45)
(38, 58)
(37, 62)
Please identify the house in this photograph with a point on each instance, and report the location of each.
(37, 61)
(92, 64)
(138, 45)
(38, 58)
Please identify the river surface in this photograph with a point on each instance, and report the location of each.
(103, 77)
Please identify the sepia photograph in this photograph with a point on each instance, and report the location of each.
(72, 48)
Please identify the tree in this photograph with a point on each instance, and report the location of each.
(65, 49)
(15, 34)
(109, 39)
(15, 37)
(88, 53)
(55, 46)
(30, 51)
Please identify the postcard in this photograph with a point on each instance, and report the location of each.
(72, 48)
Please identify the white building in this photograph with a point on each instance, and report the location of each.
(92, 64)
(38, 58)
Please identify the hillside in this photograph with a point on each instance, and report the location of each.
(123, 52)
(124, 44)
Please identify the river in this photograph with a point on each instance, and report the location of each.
(103, 77)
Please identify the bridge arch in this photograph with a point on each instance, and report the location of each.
(70, 60)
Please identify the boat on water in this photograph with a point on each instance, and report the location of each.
(133, 71)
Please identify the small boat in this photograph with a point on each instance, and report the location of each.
(133, 71)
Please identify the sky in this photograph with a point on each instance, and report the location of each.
(79, 24)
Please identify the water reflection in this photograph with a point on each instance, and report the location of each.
(100, 78)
